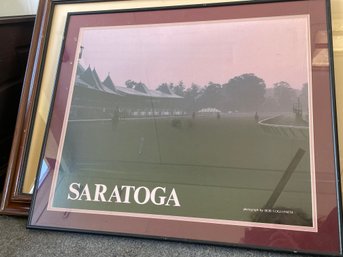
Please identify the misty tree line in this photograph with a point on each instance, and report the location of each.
(244, 93)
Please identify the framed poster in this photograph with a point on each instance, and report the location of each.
(167, 122)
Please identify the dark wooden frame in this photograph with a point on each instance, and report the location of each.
(14, 202)
(10, 204)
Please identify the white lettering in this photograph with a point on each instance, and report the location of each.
(100, 190)
(74, 190)
(116, 195)
(153, 196)
(122, 194)
(85, 192)
(173, 197)
(127, 193)
(136, 195)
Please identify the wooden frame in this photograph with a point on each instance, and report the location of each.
(17, 46)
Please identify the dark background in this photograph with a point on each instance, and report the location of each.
(15, 38)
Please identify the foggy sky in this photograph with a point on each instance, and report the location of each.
(274, 49)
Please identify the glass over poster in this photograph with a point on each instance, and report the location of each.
(210, 123)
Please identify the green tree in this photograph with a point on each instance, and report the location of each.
(193, 91)
(139, 86)
(179, 89)
(130, 83)
(191, 97)
(211, 96)
(244, 93)
(285, 95)
(166, 88)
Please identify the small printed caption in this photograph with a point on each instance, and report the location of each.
(278, 211)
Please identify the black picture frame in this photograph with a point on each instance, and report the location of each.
(50, 211)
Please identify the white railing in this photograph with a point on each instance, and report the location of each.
(292, 131)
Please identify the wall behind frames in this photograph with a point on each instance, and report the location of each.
(18, 7)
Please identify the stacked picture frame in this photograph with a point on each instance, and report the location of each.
(14, 52)
(202, 121)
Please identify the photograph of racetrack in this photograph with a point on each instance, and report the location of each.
(224, 123)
